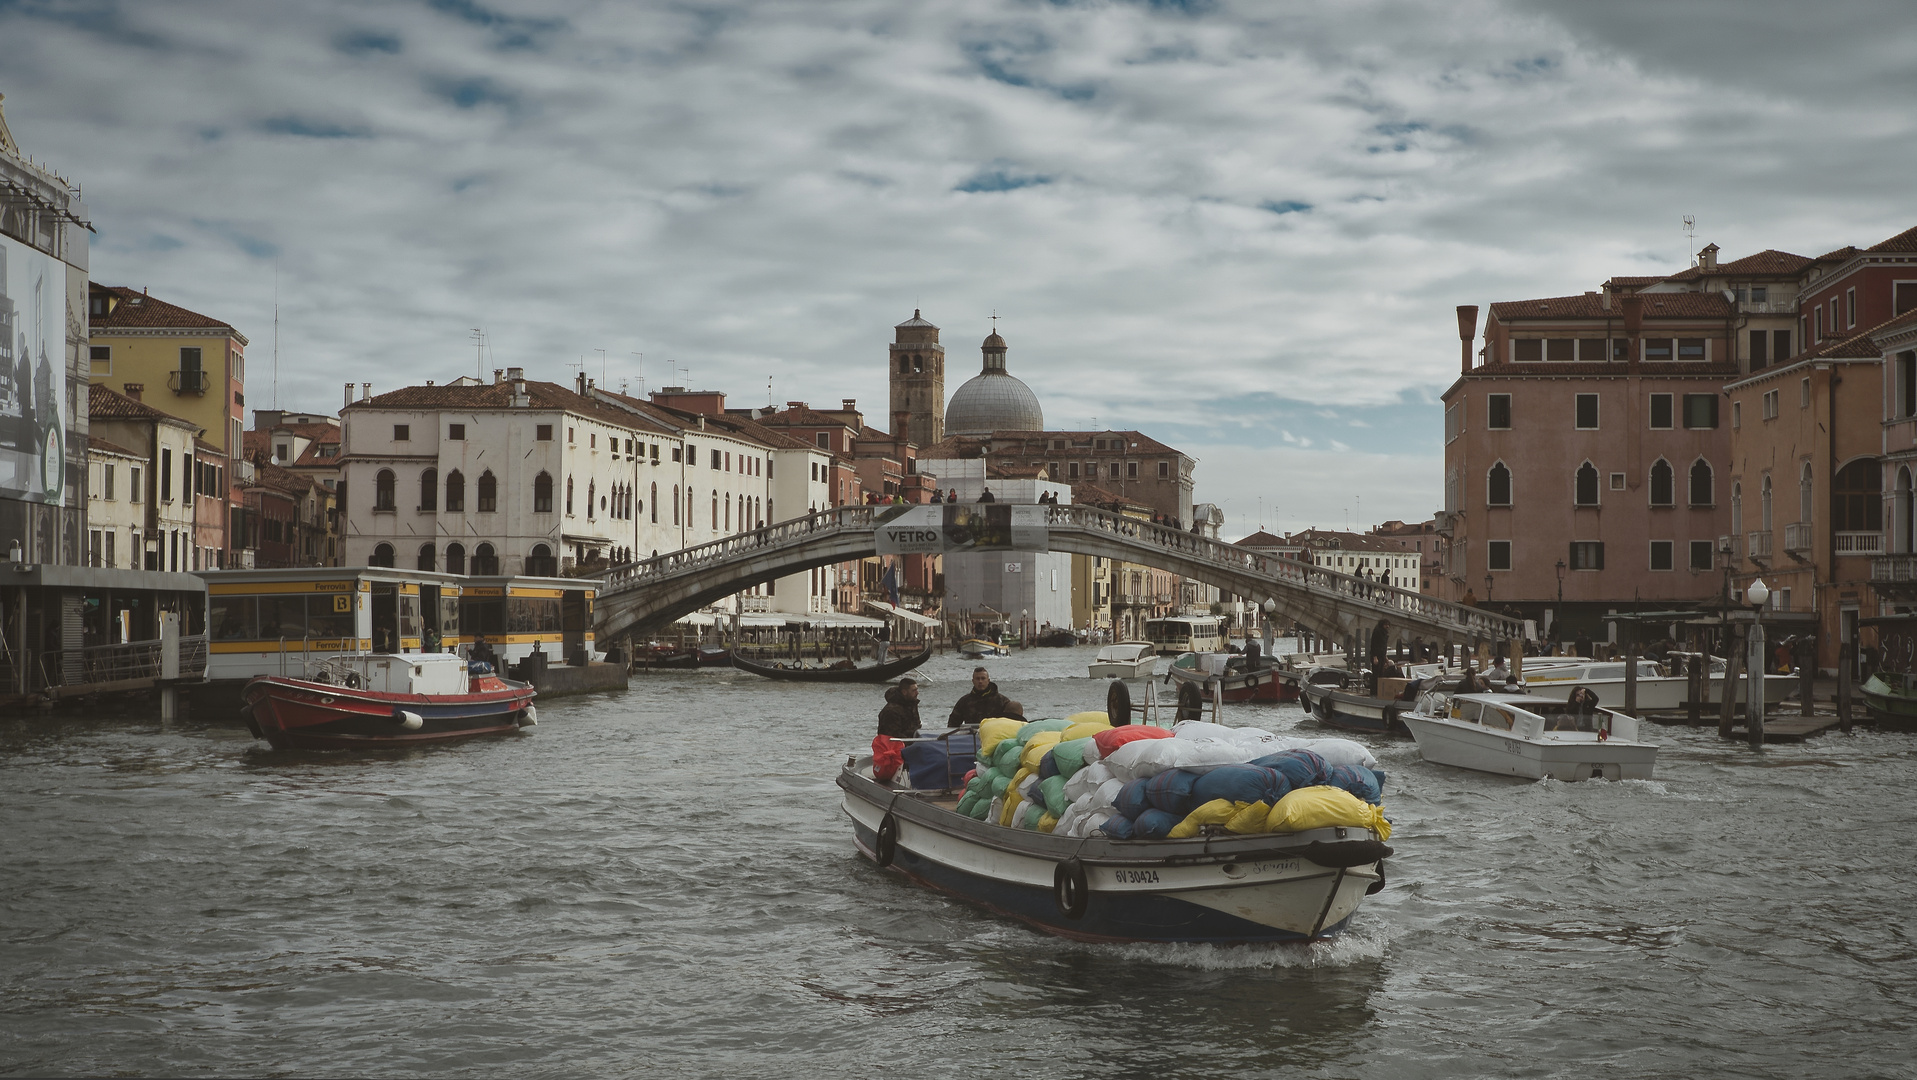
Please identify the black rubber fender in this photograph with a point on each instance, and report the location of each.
(1070, 890)
(886, 847)
(1378, 885)
(1345, 854)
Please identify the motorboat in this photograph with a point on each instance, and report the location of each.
(1347, 710)
(364, 700)
(1657, 691)
(845, 671)
(1218, 889)
(1527, 736)
(1238, 680)
(980, 648)
(1890, 694)
(1125, 660)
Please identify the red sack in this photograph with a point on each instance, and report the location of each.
(1111, 739)
(888, 754)
(968, 778)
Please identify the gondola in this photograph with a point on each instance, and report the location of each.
(874, 673)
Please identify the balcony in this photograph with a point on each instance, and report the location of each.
(1894, 570)
(188, 382)
(1860, 543)
(1758, 545)
(1797, 538)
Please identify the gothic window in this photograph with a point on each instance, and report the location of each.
(655, 504)
(1662, 493)
(383, 490)
(488, 492)
(542, 493)
(1498, 486)
(455, 491)
(1703, 487)
(1587, 485)
(429, 491)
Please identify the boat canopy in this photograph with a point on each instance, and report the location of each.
(899, 612)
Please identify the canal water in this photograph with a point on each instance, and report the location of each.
(663, 880)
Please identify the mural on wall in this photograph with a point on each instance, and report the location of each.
(33, 375)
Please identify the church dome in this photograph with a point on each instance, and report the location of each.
(993, 400)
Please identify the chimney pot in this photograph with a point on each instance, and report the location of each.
(349, 393)
(1467, 330)
(366, 391)
(516, 374)
(134, 390)
(851, 404)
(499, 375)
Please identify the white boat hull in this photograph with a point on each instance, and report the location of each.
(1566, 756)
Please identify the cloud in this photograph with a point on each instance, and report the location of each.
(1205, 220)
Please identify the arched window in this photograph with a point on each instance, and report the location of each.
(485, 561)
(488, 492)
(429, 490)
(1703, 485)
(540, 563)
(1497, 486)
(426, 557)
(1804, 494)
(675, 504)
(592, 488)
(688, 505)
(1662, 484)
(715, 511)
(1856, 497)
(655, 504)
(383, 490)
(456, 492)
(455, 558)
(1737, 507)
(542, 493)
(382, 555)
(568, 496)
(1587, 485)
(905, 365)
(1764, 510)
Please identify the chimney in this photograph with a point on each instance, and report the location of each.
(579, 384)
(349, 395)
(1633, 313)
(499, 375)
(1708, 257)
(795, 404)
(366, 391)
(133, 389)
(1606, 302)
(851, 404)
(1467, 330)
(515, 374)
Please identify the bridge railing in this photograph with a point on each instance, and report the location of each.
(1230, 556)
(836, 519)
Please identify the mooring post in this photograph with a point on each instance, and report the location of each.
(1845, 657)
(1807, 674)
(1630, 679)
(1516, 649)
(169, 666)
(1693, 708)
(1733, 666)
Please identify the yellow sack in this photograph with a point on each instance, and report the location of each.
(1046, 823)
(1215, 812)
(1084, 726)
(1035, 748)
(1252, 818)
(994, 731)
(1013, 800)
(1323, 807)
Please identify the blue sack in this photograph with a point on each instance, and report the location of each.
(941, 763)
(1360, 781)
(1131, 800)
(1171, 792)
(1117, 828)
(1047, 766)
(1300, 768)
(1241, 783)
(478, 667)
(1154, 824)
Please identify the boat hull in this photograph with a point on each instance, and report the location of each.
(874, 673)
(1890, 708)
(1350, 712)
(1230, 891)
(1468, 746)
(1664, 693)
(1111, 669)
(1262, 684)
(295, 714)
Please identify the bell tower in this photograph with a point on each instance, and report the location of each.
(918, 381)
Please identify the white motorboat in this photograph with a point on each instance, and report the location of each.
(1527, 736)
(1126, 660)
(1656, 691)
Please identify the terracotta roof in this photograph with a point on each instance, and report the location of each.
(544, 395)
(1768, 263)
(1903, 241)
(283, 479)
(94, 442)
(806, 417)
(135, 310)
(1678, 305)
(1840, 255)
(1092, 495)
(1632, 282)
(1899, 322)
(109, 404)
(1263, 539)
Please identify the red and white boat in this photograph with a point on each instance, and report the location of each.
(362, 700)
(1235, 683)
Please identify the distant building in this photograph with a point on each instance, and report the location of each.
(142, 495)
(917, 376)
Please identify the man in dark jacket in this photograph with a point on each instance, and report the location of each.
(983, 703)
(900, 717)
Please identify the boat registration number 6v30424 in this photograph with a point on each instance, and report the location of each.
(1135, 877)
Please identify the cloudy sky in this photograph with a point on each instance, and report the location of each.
(1241, 227)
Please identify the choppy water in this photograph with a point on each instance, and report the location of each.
(662, 880)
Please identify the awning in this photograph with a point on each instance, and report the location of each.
(909, 616)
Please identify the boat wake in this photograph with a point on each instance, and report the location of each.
(1358, 945)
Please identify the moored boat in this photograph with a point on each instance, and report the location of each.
(1890, 694)
(1125, 660)
(980, 648)
(1535, 738)
(364, 700)
(1347, 711)
(800, 672)
(1221, 889)
(1237, 682)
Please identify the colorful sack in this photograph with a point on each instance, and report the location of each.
(1324, 807)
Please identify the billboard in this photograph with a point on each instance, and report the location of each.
(942, 528)
(33, 374)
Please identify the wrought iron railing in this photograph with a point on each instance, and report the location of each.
(139, 660)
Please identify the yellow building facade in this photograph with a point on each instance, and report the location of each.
(189, 365)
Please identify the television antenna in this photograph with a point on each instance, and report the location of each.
(1690, 236)
(479, 354)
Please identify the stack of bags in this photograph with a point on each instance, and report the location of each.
(1080, 776)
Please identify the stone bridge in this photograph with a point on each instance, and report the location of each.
(644, 596)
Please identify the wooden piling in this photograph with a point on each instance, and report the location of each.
(1733, 667)
(1630, 679)
(1846, 656)
(1806, 674)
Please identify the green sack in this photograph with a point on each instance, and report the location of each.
(1052, 793)
(1070, 756)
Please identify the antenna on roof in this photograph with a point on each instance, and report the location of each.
(1690, 236)
(479, 354)
(602, 365)
(276, 333)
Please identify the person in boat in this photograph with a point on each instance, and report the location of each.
(429, 640)
(1468, 682)
(900, 717)
(938, 496)
(482, 652)
(1581, 708)
(983, 703)
(985, 496)
(1498, 673)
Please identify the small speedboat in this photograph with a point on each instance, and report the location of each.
(1535, 738)
(980, 648)
(1236, 682)
(1272, 887)
(1125, 660)
(1656, 691)
(363, 700)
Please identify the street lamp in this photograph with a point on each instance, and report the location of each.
(1756, 595)
(1488, 579)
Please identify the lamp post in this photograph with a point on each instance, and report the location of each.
(1271, 609)
(1757, 595)
(1488, 579)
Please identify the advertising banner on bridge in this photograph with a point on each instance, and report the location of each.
(951, 527)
